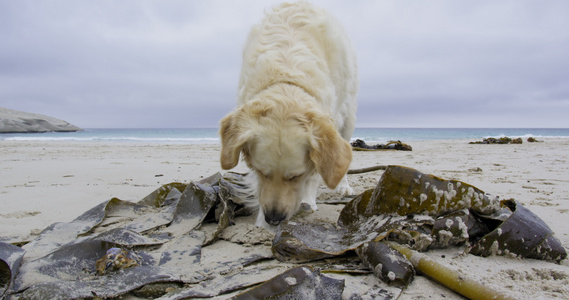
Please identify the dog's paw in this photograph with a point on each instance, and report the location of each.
(308, 207)
(344, 190)
(308, 204)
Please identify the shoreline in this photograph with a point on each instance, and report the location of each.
(210, 135)
(46, 182)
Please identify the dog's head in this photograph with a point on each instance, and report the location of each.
(285, 141)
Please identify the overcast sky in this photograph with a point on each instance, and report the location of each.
(137, 63)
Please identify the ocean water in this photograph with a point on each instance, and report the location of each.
(210, 136)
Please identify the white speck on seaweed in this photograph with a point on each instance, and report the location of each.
(422, 198)
(463, 228)
(449, 223)
(290, 280)
(307, 271)
(495, 248)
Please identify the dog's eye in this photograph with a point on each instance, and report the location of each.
(294, 178)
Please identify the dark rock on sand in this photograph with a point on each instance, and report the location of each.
(13, 121)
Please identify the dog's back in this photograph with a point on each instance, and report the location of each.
(300, 44)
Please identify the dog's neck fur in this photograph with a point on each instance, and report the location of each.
(286, 83)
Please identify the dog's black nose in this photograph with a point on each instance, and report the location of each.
(274, 218)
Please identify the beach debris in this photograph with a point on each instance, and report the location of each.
(368, 169)
(522, 234)
(170, 243)
(116, 259)
(10, 259)
(424, 212)
(475, 170)
(404, 191)
(360, 145)
(386, 263)
(405, 204)
(501, 140)
(297, 283)
(533, 140)
(156, 290)
(450, 278)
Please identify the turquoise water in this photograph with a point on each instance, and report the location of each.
(209, 135)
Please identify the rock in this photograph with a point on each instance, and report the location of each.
(13, 121)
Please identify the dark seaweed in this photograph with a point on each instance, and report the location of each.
(387, 263)
(297, 283)
(163, 233)
(423, 212)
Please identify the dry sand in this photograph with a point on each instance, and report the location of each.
(46, 182)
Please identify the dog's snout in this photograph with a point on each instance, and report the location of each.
(274, 217)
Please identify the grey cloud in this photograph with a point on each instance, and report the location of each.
(149, 64)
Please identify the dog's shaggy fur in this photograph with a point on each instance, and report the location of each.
(296, 109)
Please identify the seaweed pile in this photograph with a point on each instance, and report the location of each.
(360, 145)
(502, 140)
(422, 212)
(154, 248)
(158, 246)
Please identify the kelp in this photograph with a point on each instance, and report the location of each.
(450, 278)
(303, 242)
(360, 145)
(502, 140)
(386, 263)
(522, 234)
(158, 246)
(10, 259)
(120, 246)
(422, 211)
(404, 191)
(406, 204)
(297, 283)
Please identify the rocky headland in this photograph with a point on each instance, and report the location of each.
(13, 121)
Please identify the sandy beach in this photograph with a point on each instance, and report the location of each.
(46, 182)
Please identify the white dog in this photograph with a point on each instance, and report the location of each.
(296, 109)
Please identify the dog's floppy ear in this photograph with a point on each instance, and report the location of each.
(330, 153)
(232, 141)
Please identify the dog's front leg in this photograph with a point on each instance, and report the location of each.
(310, 189)
(344, 187)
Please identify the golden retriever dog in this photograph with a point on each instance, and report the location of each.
(296, 110)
